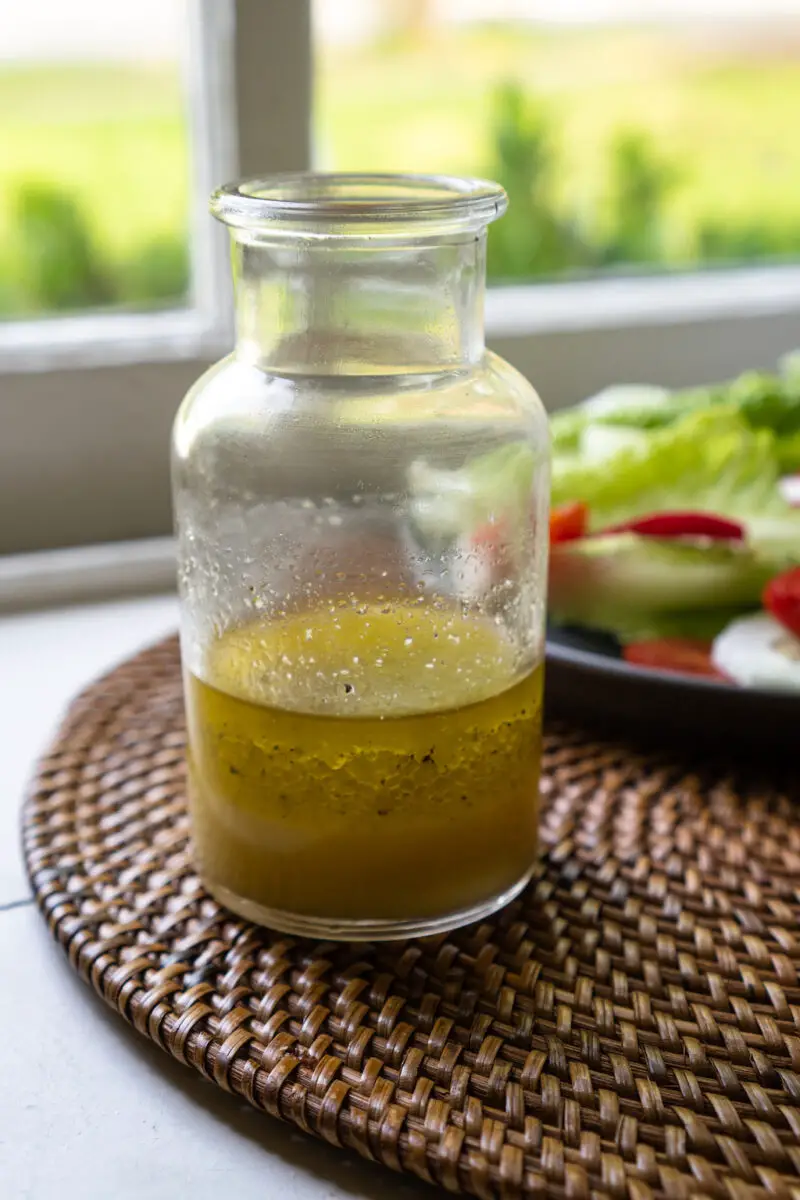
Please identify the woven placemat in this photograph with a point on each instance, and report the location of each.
(630, 1027)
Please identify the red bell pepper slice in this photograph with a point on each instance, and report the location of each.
(683, 656)
(782, 599)
(683, 524)
(568, 522)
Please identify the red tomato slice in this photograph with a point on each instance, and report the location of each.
(684, 656)
(782, 599)
(568, 522)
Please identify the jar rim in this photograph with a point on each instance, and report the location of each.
(355, 199)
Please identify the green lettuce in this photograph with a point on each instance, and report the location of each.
(787, 449)
(635, 450)
(708, 461)
(763, 400)
(629, 405)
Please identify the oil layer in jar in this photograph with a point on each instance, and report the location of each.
(376, 763)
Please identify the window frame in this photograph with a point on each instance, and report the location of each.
(115, 338)
(572, 339)
(86, 402)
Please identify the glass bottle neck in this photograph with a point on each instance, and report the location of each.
(328, 307)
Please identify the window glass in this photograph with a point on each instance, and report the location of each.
(94, 157)
(629, 134)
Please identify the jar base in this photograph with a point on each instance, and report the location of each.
(330, 929)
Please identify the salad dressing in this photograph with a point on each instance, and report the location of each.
(379, 760)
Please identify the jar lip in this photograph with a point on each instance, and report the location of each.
(345, 199)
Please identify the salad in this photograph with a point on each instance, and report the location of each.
(675, 525)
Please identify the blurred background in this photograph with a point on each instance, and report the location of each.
(649, 148)
(630, 135)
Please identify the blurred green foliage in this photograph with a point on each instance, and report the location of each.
(57, 265)
(642, 181)
(543, 235)
(697, 165)
(535, 237)
(52, 263)
(94, 186)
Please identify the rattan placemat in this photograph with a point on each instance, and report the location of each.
(629, 1028)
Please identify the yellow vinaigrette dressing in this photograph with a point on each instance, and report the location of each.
(381, 761)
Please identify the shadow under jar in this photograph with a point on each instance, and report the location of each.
(361, 495)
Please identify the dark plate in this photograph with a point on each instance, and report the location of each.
(588, 681)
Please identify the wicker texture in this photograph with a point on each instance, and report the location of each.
(629, 1028)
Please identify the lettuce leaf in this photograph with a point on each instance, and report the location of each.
(629, 405)
(763, 401)
(635, 450)
(710, 460)
(787, 449)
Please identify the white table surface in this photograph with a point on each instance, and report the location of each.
(88, 1109)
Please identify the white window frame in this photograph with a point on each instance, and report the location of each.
(203, 324)
(86, 402)
(572, 339)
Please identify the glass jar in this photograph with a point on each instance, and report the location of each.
(361, 497)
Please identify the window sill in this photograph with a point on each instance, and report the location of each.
(111, 339)
(86, 574)
(620, 302)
